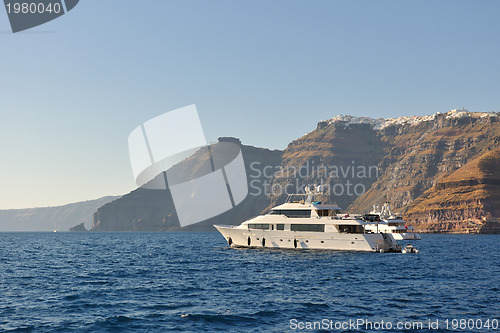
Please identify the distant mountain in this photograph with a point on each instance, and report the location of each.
(413, 162)
(154, 210)
(60, 218)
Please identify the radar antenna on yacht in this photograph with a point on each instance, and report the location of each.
(313, 190)
(309, 194)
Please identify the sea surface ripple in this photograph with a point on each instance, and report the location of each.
(193, 282)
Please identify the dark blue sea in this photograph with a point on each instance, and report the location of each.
(192, 282)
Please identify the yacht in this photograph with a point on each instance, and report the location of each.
(386, 222)
(302, 223)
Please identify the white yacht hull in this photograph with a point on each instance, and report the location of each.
(236, 236)
(406, 236)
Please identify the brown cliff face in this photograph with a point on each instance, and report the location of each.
(468, 200)
(343, 157)
(419, 155)
(411, 158)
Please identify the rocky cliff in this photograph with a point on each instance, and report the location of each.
(366, 161)
(343, 157)
(466, 201)
(419, 153)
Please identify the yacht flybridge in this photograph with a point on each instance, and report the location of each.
(385, 221)
(302, 223)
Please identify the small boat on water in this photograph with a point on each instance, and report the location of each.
(303, 223)
(385, 221)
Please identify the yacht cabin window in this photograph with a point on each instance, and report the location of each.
(296, 213)
(372, 217)
(307, 227)
(262, 226)
(350, 229)
(324, 212)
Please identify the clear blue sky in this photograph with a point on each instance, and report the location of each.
(73, 89)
